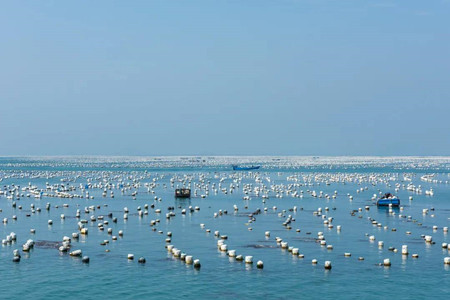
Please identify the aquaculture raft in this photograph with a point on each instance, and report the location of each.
(182, 193)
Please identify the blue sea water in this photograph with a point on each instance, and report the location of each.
(45, 273)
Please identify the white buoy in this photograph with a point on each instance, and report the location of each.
(267, 233)
(249, 259)
(176, 252)
(447, 260)
(428, 239)
(232, 253)
(314, 261)
(387, 262)
(380, 244)
(405, 250)
(141, 260)
(260, 264)
(188, 259)
(327, 265)
(197, 264)
(75, 253)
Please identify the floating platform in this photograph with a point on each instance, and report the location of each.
(183, 193)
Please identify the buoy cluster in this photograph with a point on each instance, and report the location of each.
(300, 186)
(188, 259)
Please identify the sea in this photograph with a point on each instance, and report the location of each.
(301, 201)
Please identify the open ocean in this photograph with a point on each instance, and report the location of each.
(285, 182)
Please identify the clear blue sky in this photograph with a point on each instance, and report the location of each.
(230, 77)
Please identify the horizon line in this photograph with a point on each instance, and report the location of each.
(221, 155)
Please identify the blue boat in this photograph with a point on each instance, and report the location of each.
(388, 199)
(237, 168)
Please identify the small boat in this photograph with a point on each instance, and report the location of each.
(237, 168)
(183, 193)
(388, 199)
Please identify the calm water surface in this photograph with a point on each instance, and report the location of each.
(45, 273)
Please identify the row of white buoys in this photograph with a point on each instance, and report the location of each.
(141, 260)
(232, 253)
(10, 238)
(188, 259)
(65, 244)
(29, 244)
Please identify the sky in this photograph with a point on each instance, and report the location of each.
(225, 77)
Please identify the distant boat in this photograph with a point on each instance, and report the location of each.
(388, 199)
(237, 168)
